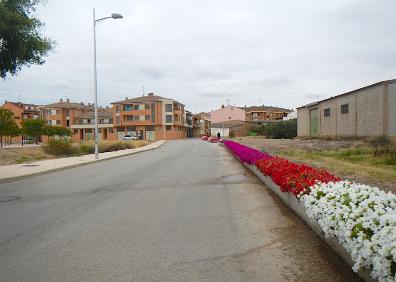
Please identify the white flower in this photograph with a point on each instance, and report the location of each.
(362, 218)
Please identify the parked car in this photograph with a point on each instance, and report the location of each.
(129, 137)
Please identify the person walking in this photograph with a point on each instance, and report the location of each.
(218, 135)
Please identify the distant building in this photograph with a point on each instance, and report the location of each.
(201, 124)
(291, 115)
(232, 128)
(367, 111)
(63, 112)
(227, 113)
(21, 111)
(259, 114)
(150, 117)
(189, 124)
(83, 125)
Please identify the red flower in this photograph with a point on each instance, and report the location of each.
(292, 177)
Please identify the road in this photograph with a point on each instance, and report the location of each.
(187, 211)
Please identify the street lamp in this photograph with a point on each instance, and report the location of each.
(95, 22)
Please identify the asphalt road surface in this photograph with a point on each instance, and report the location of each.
(187, 211)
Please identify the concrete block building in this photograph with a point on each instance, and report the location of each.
(367, 111)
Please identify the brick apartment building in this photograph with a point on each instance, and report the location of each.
(63, 112)
(259, 114)
(201, 124)
(150, 117)
(83, 126)
(22, 112)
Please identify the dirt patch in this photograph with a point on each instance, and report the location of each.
(9, 156)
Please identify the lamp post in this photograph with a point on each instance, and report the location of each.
(95, 22)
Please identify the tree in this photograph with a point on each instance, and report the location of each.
(33, 128)
(21, 41)
(7, 124)
(52, 131)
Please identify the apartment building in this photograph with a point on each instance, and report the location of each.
(201, 124)
(63, 112)
(367, 111)
(259, 114)
(189, 124)
(83, 126)
(22, 111)
(150, 117)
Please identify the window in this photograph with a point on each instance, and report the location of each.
(67, 123)
(136, 107)
(147, 117)
(326, 112)
(118, 120)
(58, 121)
(141, 118)
(67, 112)
(131, 128)
(168, 118)
(168, 107)
(136, 118)
(345, 109)
(168, 127)
(152, 118)
(129, 118)
(117, 109)
(49, 122)
(147, 106)
(150, 128)
(141, 107)
(128, 108)
(75, 131)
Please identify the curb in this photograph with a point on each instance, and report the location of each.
(292, 203)
(21, 177)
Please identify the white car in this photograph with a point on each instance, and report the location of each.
(129, 137)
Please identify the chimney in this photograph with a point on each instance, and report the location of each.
(150, 94)
(81, 103)
(222, 106)
(68, 100)
(126, 98)
(61, 100)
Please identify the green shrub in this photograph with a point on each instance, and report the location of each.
(60, 148)
(283, 129)
(105, 146)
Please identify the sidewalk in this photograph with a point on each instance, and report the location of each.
(18, 171)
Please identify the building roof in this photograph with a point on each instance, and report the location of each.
(67, 105)
(265, 108)
(228, 124)
(350, 92)
(102, 113)
(144, 99)
(32, 107)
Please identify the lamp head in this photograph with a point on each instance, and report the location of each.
(116, 16)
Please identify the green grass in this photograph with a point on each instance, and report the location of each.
(355, 163)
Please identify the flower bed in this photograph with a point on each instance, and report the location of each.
(244, 153)
(292, 177)
(362, 218)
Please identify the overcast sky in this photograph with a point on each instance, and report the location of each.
(279, 53)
